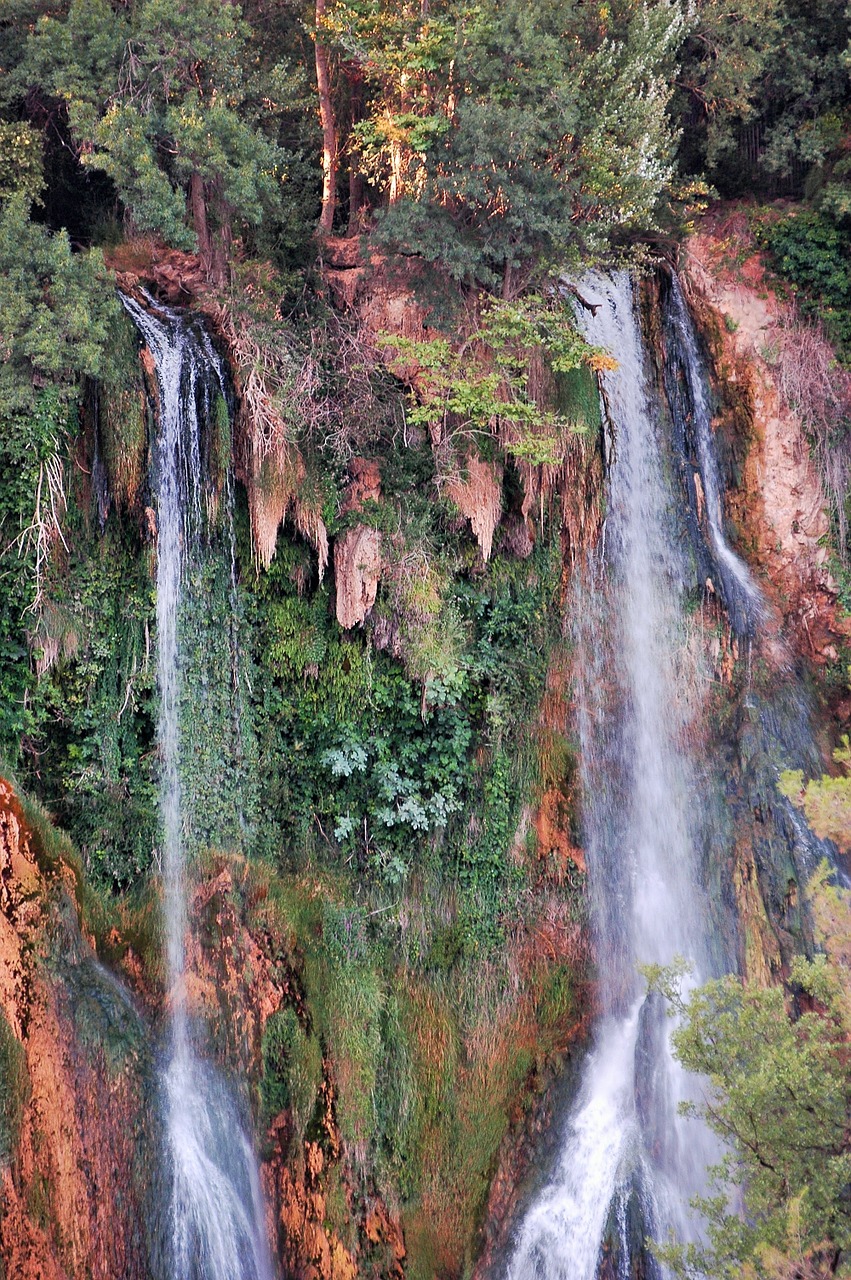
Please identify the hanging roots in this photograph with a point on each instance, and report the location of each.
(819, 391)
(270, 462)
(45, 531)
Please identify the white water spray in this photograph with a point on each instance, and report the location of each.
(217, 1227)
(629, 1162)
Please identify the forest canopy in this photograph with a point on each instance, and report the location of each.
(492, 139)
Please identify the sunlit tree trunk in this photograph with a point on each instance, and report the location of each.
(356, 184)
(329, 131)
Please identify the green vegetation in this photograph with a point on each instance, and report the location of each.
(485, 387)
(379, 780)
(371, 763)
(764, 94)
(826, 801)
(426, 1048)
(14, 1086)
(778, 1094)
(812, 251)
(534, 131)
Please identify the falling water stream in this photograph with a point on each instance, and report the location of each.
(216, 1217)
(741, 596)
(629, 1162)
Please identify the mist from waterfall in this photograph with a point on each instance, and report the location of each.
(216, 1218)
(629, 1163)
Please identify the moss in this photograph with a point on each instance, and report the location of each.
(122, 416)
(292, 1070)
(14, 1089)
(141, 929)
(53, 849)
(578, 398)
(220, 441)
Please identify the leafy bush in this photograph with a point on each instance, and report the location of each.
(814, 254)
(778, 1093)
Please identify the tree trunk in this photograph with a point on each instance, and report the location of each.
(356, 183)
(356, 200)
(221, 237)
(329, 130)
(214, 241)
(198, 205)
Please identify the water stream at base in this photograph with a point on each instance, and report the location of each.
(629, 1162)
(216, 1217)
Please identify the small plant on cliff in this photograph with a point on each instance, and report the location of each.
(14, 1089)
(778, 1093)
(483, 389)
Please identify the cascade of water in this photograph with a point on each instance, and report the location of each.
(217, 1217)
(780, 733)
(629, 1162)
(741, 595)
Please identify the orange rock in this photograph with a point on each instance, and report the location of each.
(364, 484)
(68, 1200)
(780, 507)
(552, 828)
(479, 497)
(357, 570)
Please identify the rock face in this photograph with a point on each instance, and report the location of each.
(357, 568)
(358, 551)
(77, 1195)
(478, 495)
(73, 1191)
(243, 971)
(780, 505)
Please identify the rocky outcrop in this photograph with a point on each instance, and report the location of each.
(358, 551)
(176, 277)
(780, 505)
(357, 569)
(478, 496)
(74, 1188)
(77, 1193)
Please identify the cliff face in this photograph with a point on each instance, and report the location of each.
(457, 1054)
(761, 356)
(74, 1186)
(244, 970)
(79, 1106)
(779, 503)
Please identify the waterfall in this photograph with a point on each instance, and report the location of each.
(216, 1219)
(629, 1162)
(739, 593)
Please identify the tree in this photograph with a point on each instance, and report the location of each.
(558, 137)
(826, 801)
(56, 308)
(780, 68)
(159, 98)
(403, 56)
(329, 127)
(778, 1092)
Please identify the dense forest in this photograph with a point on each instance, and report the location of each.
(382, 215)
